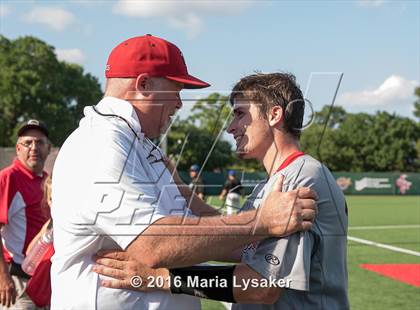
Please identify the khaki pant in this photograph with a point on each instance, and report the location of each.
(23, 302)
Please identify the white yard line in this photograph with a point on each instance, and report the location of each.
(383, 227)
(383, 246)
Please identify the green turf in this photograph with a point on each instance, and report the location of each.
(383, 210)
(211, 305)
(368, 290)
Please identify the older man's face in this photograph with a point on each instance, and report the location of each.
(32, 149)
(157, 109)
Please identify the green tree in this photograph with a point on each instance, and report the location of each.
(199, 139)
(363, 142)
(335, 115)
(417, 102)
(417, 114)
(324, 144)
(34, 84)
(211, 113)
(188, 144)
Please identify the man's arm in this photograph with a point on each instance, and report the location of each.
(176, 242)
(141, 221)
(243, 283)
(194, 201)
(7, 287)
(223, 194)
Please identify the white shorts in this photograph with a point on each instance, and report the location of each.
(233, 200)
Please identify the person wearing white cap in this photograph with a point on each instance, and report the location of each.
(112, 189)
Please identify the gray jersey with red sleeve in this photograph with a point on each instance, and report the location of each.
(311, 265)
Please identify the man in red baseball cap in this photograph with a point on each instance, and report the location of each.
(149, 72)
(152, 55)
(112, 189)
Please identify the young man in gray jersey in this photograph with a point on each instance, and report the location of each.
(268, 117)
(306, 270)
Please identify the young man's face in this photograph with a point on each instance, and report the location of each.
(250, 129)
(32, 149)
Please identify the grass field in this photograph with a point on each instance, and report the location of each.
(386, 220)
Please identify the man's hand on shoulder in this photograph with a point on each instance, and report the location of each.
(284, 213)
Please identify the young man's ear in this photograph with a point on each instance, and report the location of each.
(275, 115)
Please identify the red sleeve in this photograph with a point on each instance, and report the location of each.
(5, 196)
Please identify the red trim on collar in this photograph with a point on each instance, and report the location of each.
(290, 159)
(19, 165)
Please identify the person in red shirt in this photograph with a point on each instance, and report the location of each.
(21, 213)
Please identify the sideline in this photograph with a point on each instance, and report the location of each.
(384, 246)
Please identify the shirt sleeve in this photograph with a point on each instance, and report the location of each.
(226, 186)
(5, 196)
(286, 258)
(199, 187)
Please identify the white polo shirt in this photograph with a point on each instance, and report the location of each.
(109, 185)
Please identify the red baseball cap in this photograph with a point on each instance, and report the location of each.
(152, 55)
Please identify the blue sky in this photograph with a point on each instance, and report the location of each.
(375, 44)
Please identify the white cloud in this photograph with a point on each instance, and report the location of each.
(55, 18)
(72, 55)
(370, 3)
(393, 90)
(4, 10)
(184, 15)
(191, 24)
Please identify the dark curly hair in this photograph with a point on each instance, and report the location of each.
(274, 89)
